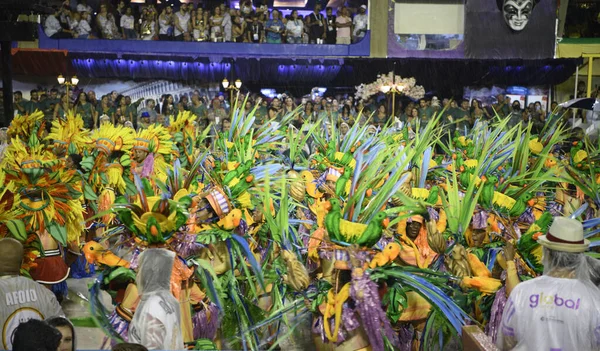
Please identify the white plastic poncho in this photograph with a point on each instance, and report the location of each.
(156, 323)
(550, 313)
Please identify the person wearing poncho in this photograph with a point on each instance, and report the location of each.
(561, 309)
(156, 323)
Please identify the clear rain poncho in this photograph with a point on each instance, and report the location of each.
(156, 323)
(557, 311)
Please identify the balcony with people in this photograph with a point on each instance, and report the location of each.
(182, 29)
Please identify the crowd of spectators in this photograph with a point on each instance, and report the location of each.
(248, 24)
(342, 110)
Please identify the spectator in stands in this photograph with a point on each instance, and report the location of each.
(238, 26)
(53, 29)
(24, 299)
(36, 335)
(500, 106)
(128, 24)
(295, 28)
(33, 104)
(150, 109)
(106, 24)
(289, 105)
(65, 16)
(165, 23)
(199, 109)
(183, 24)
(344, 28)
(87, 111)
(200, 25)
(309, 114)
(126, 346)
(227, 24)
(330, 32)
(216, 113)
(315, 22)
(83, 29)
(216, 25)
(361, 21)
(148, 26)
(345, 116)
(113, 98)
(168, 107)
(60, 110)
(106, 108)
(274, 28)
(91, 98)
(462, 117)
(67, 331)
(255, 30)
(380, 117)
(263, 9)
(246, 8)
(82, 7)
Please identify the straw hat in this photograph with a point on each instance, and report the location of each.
(566, 235)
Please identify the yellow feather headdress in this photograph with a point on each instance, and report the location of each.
(109, 138)
(155, 139)
(25, 125)
(184, 122)
(70, 132)
(48, 193)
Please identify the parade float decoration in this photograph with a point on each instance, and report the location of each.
(368, 239)
(407, 87)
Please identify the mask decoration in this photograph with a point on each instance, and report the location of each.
(516, 13)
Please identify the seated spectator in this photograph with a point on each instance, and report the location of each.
(106, 23)
(344, 25)
(165, 24)
(65, 16)
(294, 28)
(82, 7)
(128, 25)
(67, 331)
(23, 298)
(127, 346)
(53, 29)
(360, 23)
(83, 28)
(36, 335)
(156, 322)
(274, 28)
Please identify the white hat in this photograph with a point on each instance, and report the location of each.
(566, 235)
(364, 7)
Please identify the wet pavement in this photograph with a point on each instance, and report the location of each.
(77, 307)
